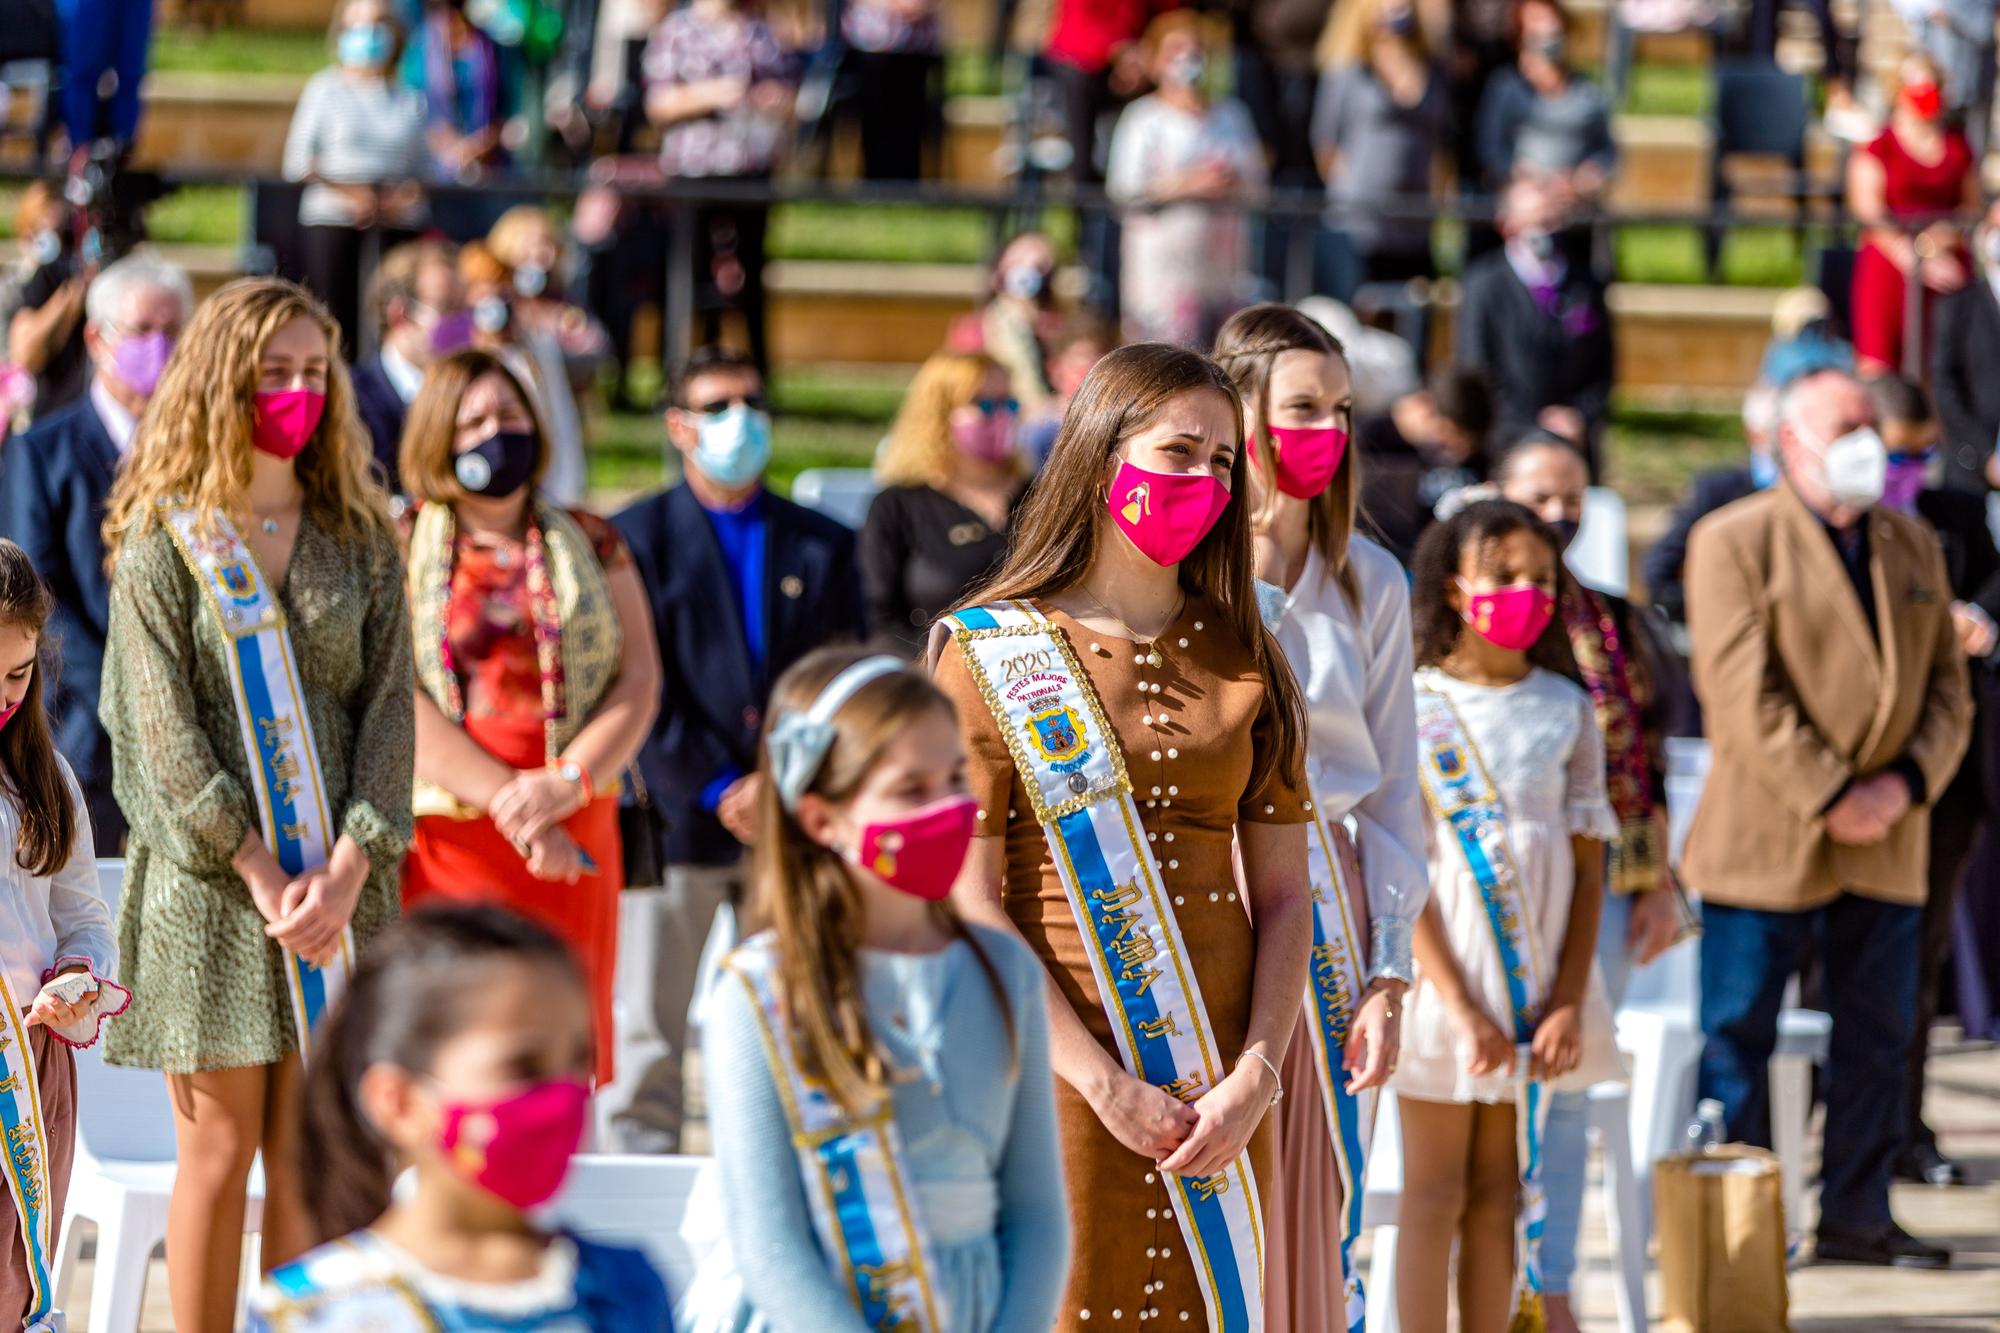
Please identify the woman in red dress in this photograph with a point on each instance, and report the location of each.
(537, 673)
(1916, 168)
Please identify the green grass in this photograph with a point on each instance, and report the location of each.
(1668, 90)
(1651, 455)
(179, 50)
(198, 215)
(1751, 256)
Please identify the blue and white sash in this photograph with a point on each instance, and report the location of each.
(277, 735)
(854, 1172)
(27, 1163)
(1462, 794)
(1082, 797)
(1333, 994)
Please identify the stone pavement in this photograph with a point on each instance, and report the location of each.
(1964, 1108)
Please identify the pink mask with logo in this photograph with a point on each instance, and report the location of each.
(1165, 514)
(921, 853)
(286, 420)
(534, 1134)
(1304, 459)
(1512, 617)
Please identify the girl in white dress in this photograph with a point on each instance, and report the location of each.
(1340, 607)
(1496, 712)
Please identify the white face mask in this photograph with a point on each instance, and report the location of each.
(734, 446)
(1853, 468)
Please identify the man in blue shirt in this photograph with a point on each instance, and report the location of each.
(742, 584)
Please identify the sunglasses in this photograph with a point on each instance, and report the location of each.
(989, 406)
(1902, 458)
(756, 402)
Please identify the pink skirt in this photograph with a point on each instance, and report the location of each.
(1303, 1289)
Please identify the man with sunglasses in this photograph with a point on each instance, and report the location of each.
(742, 583)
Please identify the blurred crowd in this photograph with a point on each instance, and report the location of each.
(1189, 120)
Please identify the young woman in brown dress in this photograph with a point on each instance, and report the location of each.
(1161, 617)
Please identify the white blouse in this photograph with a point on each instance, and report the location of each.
(47, 918)
(1354, 665)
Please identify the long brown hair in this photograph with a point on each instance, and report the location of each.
(1056, 529)
(417, 986)
(806, 892)
(193, 443)
(1247, 347)
(28, 760)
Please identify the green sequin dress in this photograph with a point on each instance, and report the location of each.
(207, 986)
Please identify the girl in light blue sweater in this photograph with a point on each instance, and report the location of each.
(878, 1071)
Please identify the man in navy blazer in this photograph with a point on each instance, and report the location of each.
(53, 484)
(742, 583)
(416, 300)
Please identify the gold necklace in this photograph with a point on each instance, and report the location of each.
(1147, 641)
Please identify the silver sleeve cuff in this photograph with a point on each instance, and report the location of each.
(1391, 950)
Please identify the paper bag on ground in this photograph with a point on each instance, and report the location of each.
(1721, 1222)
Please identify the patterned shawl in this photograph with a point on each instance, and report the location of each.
(1618, 686)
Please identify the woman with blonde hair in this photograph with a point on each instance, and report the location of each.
(1340, 608)
(537, 671)
(952, 473)
(256, 695)
(529, 241)
(1129, 722)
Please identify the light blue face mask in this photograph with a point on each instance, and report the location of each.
(734, 445)
(363, 46)
(1763, 470)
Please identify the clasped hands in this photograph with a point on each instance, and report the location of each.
(1868, 809)
(305, 914)
(1197, 1138)
(529, 810)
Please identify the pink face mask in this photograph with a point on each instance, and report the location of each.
(988, 437)
(1512, 617)
(521, 1151)
(286, 420)
(1304, 459)
(1165, 514)
(7, 713)
(921, 853)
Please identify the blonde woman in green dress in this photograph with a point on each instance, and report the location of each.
(256, 601)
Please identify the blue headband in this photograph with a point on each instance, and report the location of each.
(798, 741)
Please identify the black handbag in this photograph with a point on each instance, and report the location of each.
(640, 832)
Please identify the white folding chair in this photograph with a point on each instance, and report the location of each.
(1600, 556)
(841, 493)
(635, 1201)
(124, 1174)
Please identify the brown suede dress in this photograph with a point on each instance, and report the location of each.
(1190, 749)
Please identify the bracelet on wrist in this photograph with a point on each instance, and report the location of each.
(577, 776)
(1262, 1059)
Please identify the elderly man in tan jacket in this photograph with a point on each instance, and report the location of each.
(1836, 704)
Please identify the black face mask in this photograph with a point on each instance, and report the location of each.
(1565, 531)
(500, 464)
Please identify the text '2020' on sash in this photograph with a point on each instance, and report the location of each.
(1074, 771)
(288, 788)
